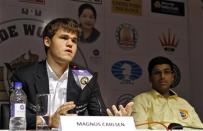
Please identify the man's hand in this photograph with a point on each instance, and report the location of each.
(39, 120)
(62, 110)
(122, 111)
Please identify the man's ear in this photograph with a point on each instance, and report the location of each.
(150, 79)
(173, 76)
(47, 41)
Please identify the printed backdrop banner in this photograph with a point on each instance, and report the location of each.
(127, 34)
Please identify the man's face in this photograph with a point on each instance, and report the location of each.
(62, 46)
(162, 78)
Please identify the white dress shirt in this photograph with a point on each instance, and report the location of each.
(57, 88)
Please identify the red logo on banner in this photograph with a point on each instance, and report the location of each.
(169, 41)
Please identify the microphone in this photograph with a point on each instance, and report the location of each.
(175, 126)
(179, 126)
(100, 107)
(152, 122)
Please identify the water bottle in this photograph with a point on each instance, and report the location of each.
(18, 100)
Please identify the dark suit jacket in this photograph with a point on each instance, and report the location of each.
(35, 81)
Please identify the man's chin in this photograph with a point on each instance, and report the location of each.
(68, 61)
(165, 88)
(65, 61)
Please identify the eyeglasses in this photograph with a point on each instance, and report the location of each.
(159, 72)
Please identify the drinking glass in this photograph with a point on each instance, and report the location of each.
(43, 111)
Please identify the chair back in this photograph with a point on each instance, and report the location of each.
(4, 115)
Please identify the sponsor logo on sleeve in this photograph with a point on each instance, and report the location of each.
(183, 113)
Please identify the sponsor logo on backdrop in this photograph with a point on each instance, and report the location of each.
(31, 12)
(95, 56)
(169, 41)
(177, 74)
(96, 52)
(126, 71)
(126, 36)
(25, 27)
(42, 2)
(168, 7)
(90, 1)
(22, 60)
(124, 99)
(129, 7)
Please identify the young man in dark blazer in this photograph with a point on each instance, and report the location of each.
(57, 72)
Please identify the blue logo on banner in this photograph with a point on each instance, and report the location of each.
(126, 71)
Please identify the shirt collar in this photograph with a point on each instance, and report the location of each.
(158, 95)
(52, 74)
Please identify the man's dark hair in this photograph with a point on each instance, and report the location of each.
(67, 24)
(157, 61)
(87, 6)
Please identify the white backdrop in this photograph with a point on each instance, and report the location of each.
(145, 27)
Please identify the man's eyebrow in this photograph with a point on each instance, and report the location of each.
(162, 69)
(66, 35)
(74, 37)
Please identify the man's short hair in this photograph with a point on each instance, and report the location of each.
(67, 24)
(157, 61)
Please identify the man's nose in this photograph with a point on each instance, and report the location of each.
(69, 43)
(162, 74)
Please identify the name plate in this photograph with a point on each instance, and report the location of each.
(96, 123)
